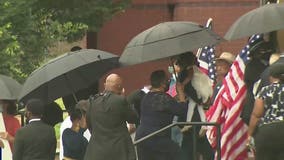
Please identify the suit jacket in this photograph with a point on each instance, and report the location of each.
(135, 98)
(106, 119)
(35, 141)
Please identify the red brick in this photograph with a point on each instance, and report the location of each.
(143, 14)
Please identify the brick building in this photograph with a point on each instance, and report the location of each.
(143, 14)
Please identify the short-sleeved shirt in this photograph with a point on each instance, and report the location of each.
(273, 96)
(74, 143)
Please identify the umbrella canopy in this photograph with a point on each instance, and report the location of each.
(264, 19)
(67, 74)
(165, 40)
(10, 88)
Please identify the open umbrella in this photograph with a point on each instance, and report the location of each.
(67, 74)
(267, 18)
(9, 88)
(165, 40)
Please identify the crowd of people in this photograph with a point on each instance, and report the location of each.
(100, 127)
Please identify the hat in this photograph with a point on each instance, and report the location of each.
(276, 69)
(227, 56)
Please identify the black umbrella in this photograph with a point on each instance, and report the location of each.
(9, 88)
(69, 101)
(264, 19)
(167, 39)
(52, 114)
(67, 74)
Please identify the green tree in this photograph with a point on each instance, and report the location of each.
(28, 28)
(90, 12)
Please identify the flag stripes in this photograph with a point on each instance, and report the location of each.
(227, 108)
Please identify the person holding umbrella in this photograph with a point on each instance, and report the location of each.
(198, 91)
(106, 119)
(158, 109)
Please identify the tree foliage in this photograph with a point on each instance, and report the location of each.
(90, 12)
(28, 28)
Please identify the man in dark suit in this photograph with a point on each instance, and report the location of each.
(36, 140)
(106, 119)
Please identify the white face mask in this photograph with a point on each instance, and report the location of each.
(171, 69)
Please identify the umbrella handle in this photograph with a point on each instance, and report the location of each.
(69, 85)
(75, 98)
(209, 23)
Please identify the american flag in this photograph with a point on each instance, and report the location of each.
(227, 108)
(206, 61)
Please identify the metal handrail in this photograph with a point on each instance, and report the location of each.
(193, 124)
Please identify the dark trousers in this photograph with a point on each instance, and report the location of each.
(161, 153)
(202, 147)
(269, 141)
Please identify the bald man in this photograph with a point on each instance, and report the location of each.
(114, 84)
(106, 119)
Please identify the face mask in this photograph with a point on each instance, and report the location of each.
(171, 69)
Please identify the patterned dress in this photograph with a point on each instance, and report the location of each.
(273, 96)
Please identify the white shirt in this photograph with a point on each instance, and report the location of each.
(34, 119)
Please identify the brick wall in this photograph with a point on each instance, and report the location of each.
(223, 13)
(143, 14)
